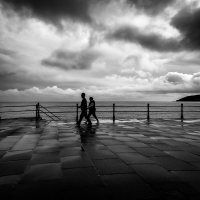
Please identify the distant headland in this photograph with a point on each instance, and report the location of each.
(190, 98)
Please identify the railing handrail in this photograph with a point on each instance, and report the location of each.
(113, 109)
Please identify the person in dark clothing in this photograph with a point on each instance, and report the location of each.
(83, 107)
(92, 109)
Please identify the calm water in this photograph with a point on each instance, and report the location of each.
(133, 111)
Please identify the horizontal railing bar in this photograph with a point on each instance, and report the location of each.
(105, 111)
(172, 106)
(61, 112)
(58, 106)
(155, 111)
(141, 111)
(123, 106)
(104, 106)
(191, 106)
(126, 111)
(144, 106)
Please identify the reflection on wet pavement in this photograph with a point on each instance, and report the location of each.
(134, 158)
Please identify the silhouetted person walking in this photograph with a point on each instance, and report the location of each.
(92, 109)
(83, 107)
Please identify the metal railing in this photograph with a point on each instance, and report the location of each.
(38, 109)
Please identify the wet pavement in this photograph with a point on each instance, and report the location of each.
(137, 159)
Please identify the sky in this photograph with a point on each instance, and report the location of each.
(113, 50)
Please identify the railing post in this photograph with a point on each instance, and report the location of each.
(113, 113)
(148, 116)
(36, 112)
(76, 112)
(182, 112)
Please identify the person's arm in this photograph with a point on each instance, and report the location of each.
(80, 105)
(92, 105)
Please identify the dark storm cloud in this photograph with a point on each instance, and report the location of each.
(151, 41)
(52, 11)
(188, 23)
(69, 60)
(152, 7)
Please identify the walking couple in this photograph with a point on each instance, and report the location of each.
(84, 108)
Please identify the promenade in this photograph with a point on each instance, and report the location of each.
(159, 159)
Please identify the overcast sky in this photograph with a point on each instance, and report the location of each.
(53, 50)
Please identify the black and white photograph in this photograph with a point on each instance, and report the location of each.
(100, 99)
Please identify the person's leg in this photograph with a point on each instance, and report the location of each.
(88, 119)
(81, 117)
(89, 115)
(94, 114)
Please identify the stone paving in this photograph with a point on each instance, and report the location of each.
(159, 159)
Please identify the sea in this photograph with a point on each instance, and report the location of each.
(124, 110)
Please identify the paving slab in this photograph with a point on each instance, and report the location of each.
(41, 172)
(93, 146)
(39, 190)
(182, 187)
(17, 155)
(53, 157)
(46, 149)
(81, 178)
(65, 135)
(76, 162)
(175, 143)
(195, 185)
(173, 164)
(129, 186)
(120, 148)
(4, 146)
(147, 140)
(194, 150)
(69, 144)
(196, 164)
(133, 158)
(75, 151)
(104, 137)
(2, 153)
(153, 173)
(13, 167)
(185, 156)
(164, 147)
(7, 191)
(136, 144)
(124, 139)
(10, 179)
(31, 136)
(109, 142)
(188, 176)
(97, 193)
(101, 154)
(23, 147)
(48, 142)
(112, 166)
(150, 152)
